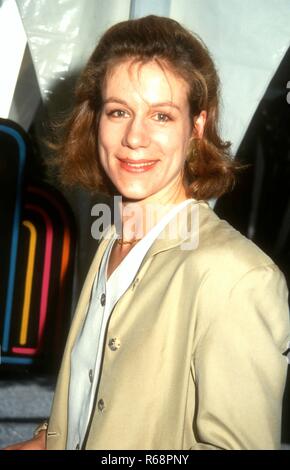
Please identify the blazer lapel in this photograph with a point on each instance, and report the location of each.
(186, 231)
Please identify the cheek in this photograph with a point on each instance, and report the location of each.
(102, 131)
(173, 141)
(165, 138)
(105, 140)
(109, 136)
(103, 150)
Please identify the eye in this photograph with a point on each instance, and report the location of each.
(162, 117)
(117, 113)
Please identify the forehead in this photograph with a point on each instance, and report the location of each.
(150, 81)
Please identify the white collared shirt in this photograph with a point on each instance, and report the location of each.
(87, 352)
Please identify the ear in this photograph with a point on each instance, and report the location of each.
(199, 123)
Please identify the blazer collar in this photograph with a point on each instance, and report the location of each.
(186, 231)
(186, 224)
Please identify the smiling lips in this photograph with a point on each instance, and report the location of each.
(137, 167)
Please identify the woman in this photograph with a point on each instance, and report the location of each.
(178, 337)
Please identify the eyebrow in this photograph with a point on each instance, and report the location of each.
(152, 105)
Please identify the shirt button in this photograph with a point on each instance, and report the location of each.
(114, 344)
(135, 283)
(91, 375)
(77, 447)
(101, 405)
(103, 299)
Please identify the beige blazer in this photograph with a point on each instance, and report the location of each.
(200, 362)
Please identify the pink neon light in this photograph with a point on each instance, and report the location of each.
(66, 234)
(25, 351)
(66, 249)
(46, 270)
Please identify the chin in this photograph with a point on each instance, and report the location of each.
(132, 195)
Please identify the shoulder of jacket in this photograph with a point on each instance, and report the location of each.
(222, 252)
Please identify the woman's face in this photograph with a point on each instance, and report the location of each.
(144, 129)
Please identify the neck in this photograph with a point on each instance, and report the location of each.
(139, 217)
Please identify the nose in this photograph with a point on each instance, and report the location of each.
(136, 134)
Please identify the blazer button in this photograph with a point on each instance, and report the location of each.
(114, 344)
(103, 299)
(101, 405)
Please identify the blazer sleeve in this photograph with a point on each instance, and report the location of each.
(240, 368)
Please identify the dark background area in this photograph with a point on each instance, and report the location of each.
(259, 205)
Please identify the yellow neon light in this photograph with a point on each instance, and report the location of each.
(28, 281)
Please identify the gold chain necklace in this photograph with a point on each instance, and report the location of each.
(121, 242)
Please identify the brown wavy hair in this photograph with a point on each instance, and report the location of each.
(209, 169)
